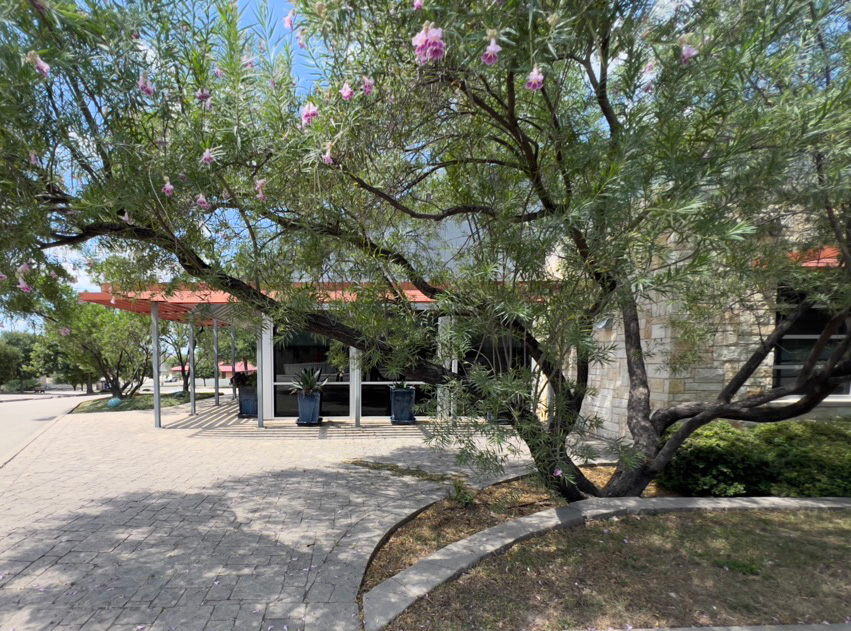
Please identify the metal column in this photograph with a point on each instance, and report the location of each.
(155, 333)
(233, 360)
(355, 384)
(192, 364)
(216, 359)
(260, 378)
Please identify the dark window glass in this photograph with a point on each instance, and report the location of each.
(786, 377)
(301, 351)
(795, 347)
(797, 350)
(334, 401)
(375, 399)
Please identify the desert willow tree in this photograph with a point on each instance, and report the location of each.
(531, 167)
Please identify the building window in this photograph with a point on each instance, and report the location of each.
(301, 351)
(795, 347)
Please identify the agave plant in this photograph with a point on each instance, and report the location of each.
(308, 382)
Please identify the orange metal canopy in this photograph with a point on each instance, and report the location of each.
(824, 257)
(175, 306)
(178, 305)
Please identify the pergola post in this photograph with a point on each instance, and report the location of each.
(216, 359)
(355, 384)
(260, 377)
(192, 365)
(233, 360)
(155, 333)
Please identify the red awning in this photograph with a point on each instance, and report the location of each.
(177, 306)
(819, 257)
(240, 367)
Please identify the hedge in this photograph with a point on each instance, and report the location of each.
(789, 459)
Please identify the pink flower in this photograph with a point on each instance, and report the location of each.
(689, 53)
(24, 286)
(112, 300)
(23, 269)
(557, 473)
(203, 94)
(218, 72)
(346, 92)
(202, 201)
(491, 54)
(54, 275)
(39, 63)
(429, 44)
(145, 85)
(136, 35)
(208, 158)
(368, 85)
(126, 218)
(3, 277)
(248, 62)
(33, 158)
(168, 188)
(302, 38)
(290, 19)
(259, 185)
(309, 112)
(327, 157)
(64, 331)
(418, 5)
(535, 80)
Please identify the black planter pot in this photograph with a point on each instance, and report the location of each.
(248, 401)
(308, 409)
(402, 406)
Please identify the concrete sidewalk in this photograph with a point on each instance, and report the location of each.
(107, 523)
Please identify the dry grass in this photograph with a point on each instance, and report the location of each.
(447, 521)
(675, 570)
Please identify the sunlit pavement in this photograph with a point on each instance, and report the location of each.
(209, 523)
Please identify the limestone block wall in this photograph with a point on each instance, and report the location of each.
(732, 343)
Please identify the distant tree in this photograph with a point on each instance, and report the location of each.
(175, 345)
(10, 358)
(51, 357)
(114, 343)
(24, 343)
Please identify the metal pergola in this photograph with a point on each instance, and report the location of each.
(197, 307)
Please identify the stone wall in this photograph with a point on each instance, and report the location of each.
(733, 341)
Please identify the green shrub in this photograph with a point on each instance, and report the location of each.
(19, 385)
(792, 458)
(808, 459)
(461, 493)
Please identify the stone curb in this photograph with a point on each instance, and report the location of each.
(767, 627)
(386, 601)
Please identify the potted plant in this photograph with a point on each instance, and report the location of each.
(308, 388)
(402, 403)
(246, 384)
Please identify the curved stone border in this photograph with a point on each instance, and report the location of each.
(390, 598)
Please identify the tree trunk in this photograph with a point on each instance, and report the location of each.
(89, 388)
(185, 374)
(552, 463)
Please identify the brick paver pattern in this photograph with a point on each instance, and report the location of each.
(209, 524)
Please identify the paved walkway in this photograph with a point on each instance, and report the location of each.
(208, 524)
(21, 419)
